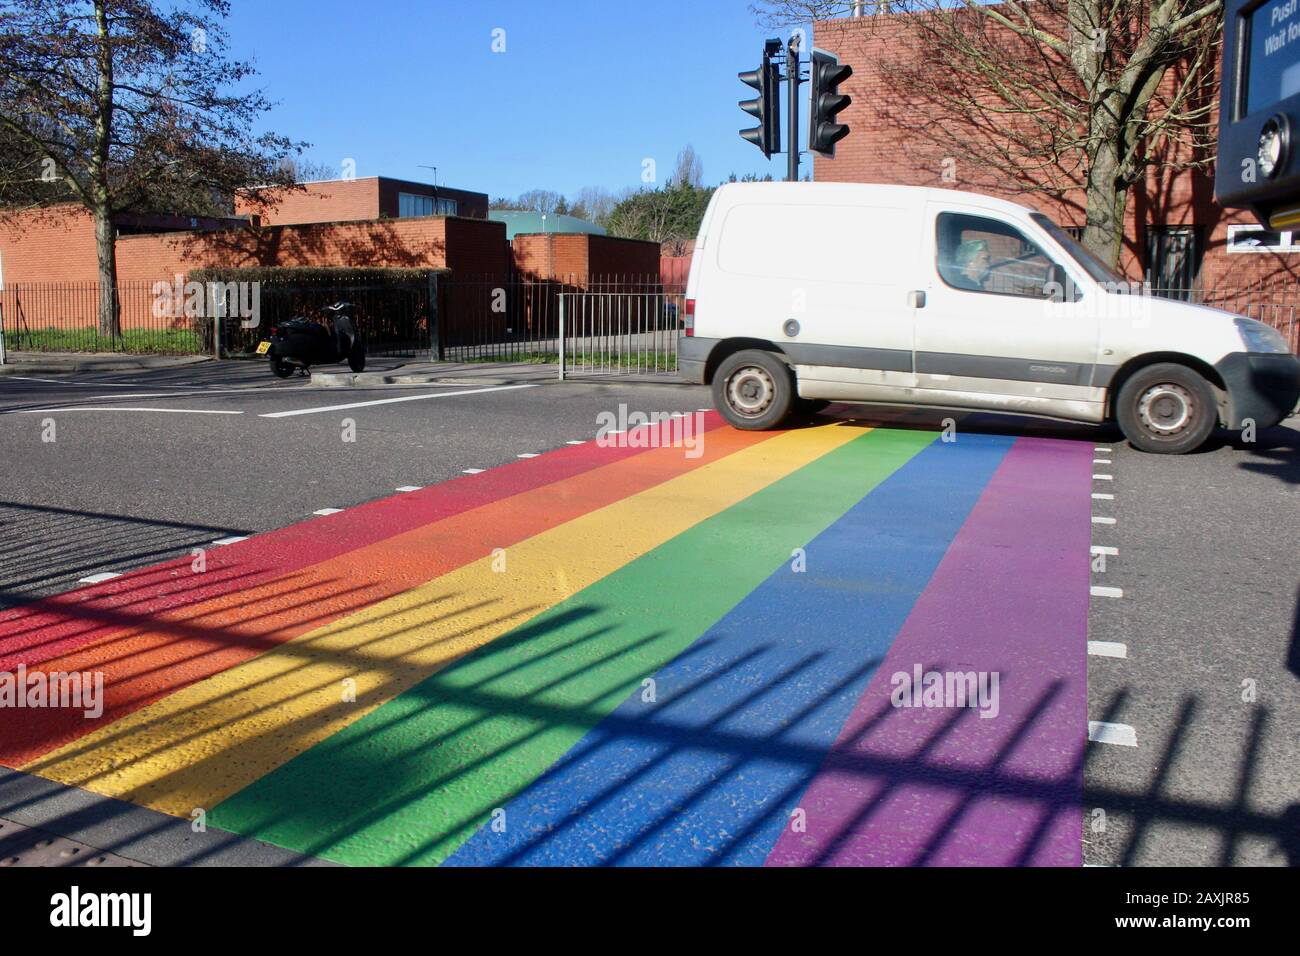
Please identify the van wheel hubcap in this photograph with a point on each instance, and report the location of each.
(1166, 409)
(750, 391)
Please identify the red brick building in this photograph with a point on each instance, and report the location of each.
(1175, 234)
(374, 197)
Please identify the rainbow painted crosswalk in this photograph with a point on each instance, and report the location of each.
(611, 655)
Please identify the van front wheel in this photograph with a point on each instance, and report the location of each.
(753, 390)
(1167, 409)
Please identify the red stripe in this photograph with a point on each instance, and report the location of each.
(52, 626)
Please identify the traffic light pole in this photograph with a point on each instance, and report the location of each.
(792, 83)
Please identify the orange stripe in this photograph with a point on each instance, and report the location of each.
(177, 649)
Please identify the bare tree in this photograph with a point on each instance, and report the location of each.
(123, 105)
(1063, 97)
(689, 168)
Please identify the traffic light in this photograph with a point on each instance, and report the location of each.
(766, 108)
(826, 74)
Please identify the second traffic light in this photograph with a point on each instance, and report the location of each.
(766, 107)
(826, 74)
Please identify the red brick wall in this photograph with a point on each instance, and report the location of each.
(57, 246)
(337, 201)
(52, 245)
(576, 257)
(880, 150)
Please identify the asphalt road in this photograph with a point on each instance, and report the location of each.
(115, 490)
(1209, 565)
(1204, 557)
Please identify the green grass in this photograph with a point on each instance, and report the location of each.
(137, 341)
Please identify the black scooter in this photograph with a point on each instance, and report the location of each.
(301, 343)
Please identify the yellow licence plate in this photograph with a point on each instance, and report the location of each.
(263, 348)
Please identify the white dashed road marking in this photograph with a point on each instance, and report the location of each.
(1120, 734)
(326, 511)
(1103, 477)
(1099, 591)
(1102, 496)
(473, 471)
(406, 488)
(527, 454)
(1099, 519)
(101, 576)
(233, 539)
(1107, 649)
(1103, 549)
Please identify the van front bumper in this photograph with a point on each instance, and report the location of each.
(693, 358)
(1263, 387)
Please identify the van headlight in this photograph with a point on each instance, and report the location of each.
(1258, 337)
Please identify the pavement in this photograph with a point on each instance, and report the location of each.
(504, 642)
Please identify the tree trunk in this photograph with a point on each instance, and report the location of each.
(1107, 202)
(110, 322)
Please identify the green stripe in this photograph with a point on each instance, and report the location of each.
(412, 780)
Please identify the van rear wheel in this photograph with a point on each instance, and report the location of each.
(753, 390)
(1167, 409)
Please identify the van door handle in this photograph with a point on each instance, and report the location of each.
(916, 298)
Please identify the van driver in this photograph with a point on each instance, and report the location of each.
(972, 261)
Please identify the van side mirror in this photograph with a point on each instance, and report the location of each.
(1058, 286)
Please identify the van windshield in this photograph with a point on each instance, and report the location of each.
(1078, 252)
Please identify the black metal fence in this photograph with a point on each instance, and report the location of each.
(615, 323)
(64, 317)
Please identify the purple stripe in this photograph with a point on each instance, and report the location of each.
(943, 785)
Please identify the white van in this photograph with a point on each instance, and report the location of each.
(806, 293)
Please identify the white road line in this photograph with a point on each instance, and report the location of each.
(326, 511)
(527, 454)
(233, 539)
(1099, 591)
(1103, 450)
(1102, 461)
(1102, 496)
(575, 443)
(1120, 734)
(473, 471)
(1103, 477)
(1102, 549)
(97, 578)
(406, 488)
(119, 408)
(391, 401)
(1107, 649)
(1098, 519)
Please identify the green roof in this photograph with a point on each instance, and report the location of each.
(520, 223)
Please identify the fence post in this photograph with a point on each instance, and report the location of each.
(3, 357)
(435, 334)
(562, 363)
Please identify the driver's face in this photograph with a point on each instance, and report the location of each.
(978, 265)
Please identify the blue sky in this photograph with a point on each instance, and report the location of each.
(585, 91)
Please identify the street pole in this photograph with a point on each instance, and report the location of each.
(792, 83)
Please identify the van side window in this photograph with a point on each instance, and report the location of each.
(985, 255)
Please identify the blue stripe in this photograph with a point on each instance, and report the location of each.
(710, 771)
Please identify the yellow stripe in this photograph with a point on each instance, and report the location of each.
(213, 738)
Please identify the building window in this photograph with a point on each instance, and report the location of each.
(1174, 256)
(413, 204)
(1248, 237)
